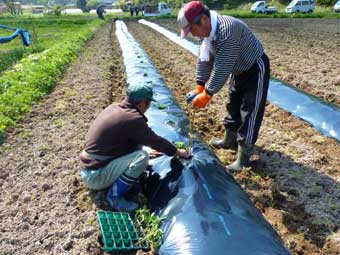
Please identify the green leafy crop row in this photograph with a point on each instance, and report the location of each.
(35, 75)
(45, 32)
(9, 57)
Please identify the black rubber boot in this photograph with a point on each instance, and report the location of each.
(227, 142)
(244, 152)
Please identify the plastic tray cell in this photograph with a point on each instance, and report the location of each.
(119, 233)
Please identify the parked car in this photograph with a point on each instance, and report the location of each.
(156, 10)
(262, 7)
(36, 9)
(336, 7)
(300, 6)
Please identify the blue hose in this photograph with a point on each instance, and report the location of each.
(24, 34)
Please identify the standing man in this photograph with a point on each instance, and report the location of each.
(131, 10)
(229, 48)
(113, 155)
(137, 10)
(100, 11)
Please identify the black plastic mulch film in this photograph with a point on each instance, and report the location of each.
(205, 210)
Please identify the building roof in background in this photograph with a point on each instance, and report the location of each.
(108, 1)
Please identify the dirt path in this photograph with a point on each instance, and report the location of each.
(295, 174)
(44, 207)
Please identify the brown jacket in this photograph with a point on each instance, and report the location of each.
(118, 130)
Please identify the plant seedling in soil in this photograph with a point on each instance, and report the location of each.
(151, 226)
(162, 106)
(171, 123)
(181, 145)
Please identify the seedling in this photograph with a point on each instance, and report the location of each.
(181, 145)
(191, 128)
(171, 123)
(162, 106)
(151, 226)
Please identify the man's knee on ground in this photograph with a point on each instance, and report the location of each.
(139, 164)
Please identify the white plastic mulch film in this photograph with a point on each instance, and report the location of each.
(321, 115)
(205, 210)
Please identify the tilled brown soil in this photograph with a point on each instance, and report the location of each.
(45, 208)
(303, 52)
(294, 179)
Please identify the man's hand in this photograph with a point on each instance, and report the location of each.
(201, 100)
(182, 153)
(192, 94)
(154, 154)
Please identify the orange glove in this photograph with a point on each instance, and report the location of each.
(192, 94)
(201, 100)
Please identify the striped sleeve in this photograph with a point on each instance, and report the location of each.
(236, 49)
(226, 56)
(203, 70)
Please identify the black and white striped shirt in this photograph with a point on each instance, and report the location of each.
(234, 51)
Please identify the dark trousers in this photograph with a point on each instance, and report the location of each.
(247, 100)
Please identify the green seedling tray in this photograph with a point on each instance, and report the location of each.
(119, 233)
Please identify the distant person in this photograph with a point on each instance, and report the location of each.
(131, 10)
(100, 11)
(113, 156)
(137, 10)
(229, 48)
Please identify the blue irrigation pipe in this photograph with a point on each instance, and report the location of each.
(24, 34)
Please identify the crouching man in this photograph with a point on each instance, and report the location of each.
(113, 155)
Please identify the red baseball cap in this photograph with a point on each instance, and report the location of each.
(187, 15)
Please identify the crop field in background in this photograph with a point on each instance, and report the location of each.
(45, 32)
(55, 43)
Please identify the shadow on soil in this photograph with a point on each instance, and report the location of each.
(308, 199)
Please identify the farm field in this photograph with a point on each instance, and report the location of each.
(45, 208)
(45, 32)
(43, 198)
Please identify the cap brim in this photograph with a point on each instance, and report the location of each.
(185, 31)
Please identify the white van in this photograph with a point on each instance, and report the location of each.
(261, 7)
(156, 10)
(336, 7)
(300, 6)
